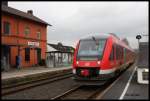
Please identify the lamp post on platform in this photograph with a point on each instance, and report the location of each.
(138, 37)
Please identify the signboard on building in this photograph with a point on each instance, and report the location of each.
(36, 44)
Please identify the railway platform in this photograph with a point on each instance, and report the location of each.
(25, 74)
(126, 87)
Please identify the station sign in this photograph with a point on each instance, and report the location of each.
(36, 44)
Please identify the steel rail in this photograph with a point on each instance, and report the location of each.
(66, 93)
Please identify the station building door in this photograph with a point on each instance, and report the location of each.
(5, 56)
(38, 55)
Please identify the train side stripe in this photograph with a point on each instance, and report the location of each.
(108, 71)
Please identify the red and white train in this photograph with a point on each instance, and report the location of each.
(99, 58)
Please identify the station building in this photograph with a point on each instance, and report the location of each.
(22, 34)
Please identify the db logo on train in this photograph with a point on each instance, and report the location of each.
(87, 64)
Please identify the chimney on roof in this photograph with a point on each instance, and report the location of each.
(30, 12)
(5, 3)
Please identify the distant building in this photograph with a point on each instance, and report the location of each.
(143, 54)
(22, 34)
(59, 55)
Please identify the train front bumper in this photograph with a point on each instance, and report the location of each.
(98, 80)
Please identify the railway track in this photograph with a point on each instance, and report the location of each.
(79, 92)
(76, 91)
(27, 85)
(83, 92)
(86, 92)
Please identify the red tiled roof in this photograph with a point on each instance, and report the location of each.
(22, 14)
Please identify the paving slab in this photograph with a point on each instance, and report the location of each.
(30, 71)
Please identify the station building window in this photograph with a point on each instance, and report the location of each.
(27, 31)
(27, 54)
(38, 34)
(6, 27)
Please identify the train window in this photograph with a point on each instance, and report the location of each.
(119, 52)
(111, 57)
(90, 48)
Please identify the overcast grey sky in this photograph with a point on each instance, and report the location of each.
(74, 20)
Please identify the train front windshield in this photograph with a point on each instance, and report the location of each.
(91, 49)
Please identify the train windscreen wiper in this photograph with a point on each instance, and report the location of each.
(94, 40)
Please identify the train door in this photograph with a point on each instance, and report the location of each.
(117, 56)
(122, 57)
(115, 61)
(112, 57)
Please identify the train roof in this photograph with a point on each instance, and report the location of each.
(100, 36)
(105, 36)
(122, 43)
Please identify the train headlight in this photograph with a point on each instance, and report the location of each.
(77, 62)
(74, 71)
(98, 62)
